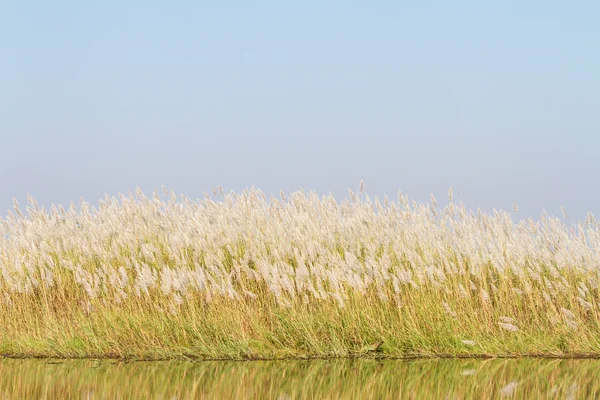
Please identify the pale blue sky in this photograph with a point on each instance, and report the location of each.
(499, 100)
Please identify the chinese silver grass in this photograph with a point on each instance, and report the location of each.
(302, 252)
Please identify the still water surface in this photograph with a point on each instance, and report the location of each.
(329, 379)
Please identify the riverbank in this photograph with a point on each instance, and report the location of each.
(255, 278)
(263, 330)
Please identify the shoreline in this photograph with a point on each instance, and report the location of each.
(251, 278)
(592, 356)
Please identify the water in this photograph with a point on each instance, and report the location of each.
(329, 379)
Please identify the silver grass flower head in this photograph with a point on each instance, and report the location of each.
(567, 313)
(508, 327)
(449, 310)
(485, 297)
(509, 390)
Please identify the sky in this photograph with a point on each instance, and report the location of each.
(498, 100)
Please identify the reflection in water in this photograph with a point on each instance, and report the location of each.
(360, 379)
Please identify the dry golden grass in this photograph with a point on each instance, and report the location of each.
(251, 277)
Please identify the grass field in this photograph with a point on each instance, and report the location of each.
(238, 276)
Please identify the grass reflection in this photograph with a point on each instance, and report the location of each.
(364, 379)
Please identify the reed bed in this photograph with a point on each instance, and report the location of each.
(244, 276)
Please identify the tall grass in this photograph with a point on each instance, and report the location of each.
(254, 277)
